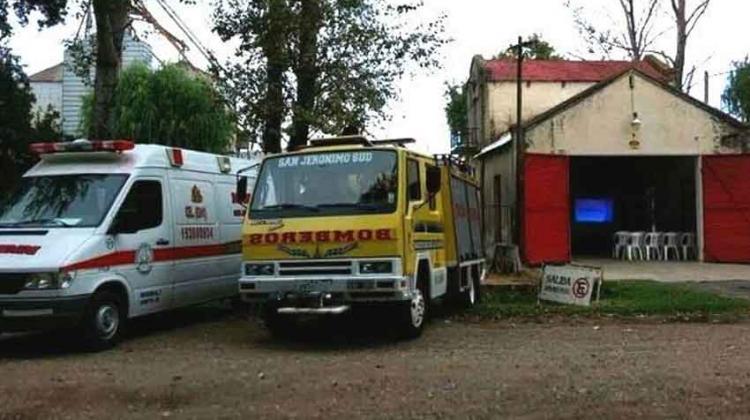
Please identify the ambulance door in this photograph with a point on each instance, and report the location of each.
(141, 235)
(197, 247)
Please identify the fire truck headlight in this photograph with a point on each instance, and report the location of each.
(376, 267)
(48, 281)
(259, 269)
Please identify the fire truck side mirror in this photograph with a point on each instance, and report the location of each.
(433, 180)
(241, 189)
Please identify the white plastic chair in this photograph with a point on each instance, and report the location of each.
(671, 243)
(620, 243)
(652, 245)
(687, 246)
(634, 248)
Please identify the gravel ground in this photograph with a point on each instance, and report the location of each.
(209, 363)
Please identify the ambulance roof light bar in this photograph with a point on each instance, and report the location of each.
(82, 145)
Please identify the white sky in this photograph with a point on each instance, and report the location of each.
(476, 26)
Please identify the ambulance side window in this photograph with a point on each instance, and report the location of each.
(412, 179)
(143, 206)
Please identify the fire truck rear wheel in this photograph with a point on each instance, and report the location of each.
(472, 295)
(413, 314)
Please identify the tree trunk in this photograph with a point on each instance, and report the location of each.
(681, 26)
(306, 71)
(112, 17)
(277, 63)
(685, 23)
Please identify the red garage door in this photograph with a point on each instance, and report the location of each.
(726, 208)
(546, 223)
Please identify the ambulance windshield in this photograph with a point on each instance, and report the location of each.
(61, 201)
(320, 184)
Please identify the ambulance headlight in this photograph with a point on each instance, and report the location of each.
(260, 269)
(376, 267)
(49, 281)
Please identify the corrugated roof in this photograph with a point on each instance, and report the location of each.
(52, 74)
(568, 71)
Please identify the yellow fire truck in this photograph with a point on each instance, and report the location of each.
(349, 221)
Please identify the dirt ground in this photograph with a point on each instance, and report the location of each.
(210, 363)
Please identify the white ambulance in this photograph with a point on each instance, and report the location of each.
(102, 231)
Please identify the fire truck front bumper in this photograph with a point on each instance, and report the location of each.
(304, 293)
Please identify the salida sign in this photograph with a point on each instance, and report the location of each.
(570, 284)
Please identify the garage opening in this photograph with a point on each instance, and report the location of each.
(634, 194)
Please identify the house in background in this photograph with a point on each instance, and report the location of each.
(606, 147)
(63, 90)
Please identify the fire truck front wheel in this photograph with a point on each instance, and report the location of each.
(279, 325)
(413, 314)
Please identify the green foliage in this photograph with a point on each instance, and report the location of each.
(621, 298)
(170, 106)
(539, 50)
(736, 96)
(456, 109)
(49, 13)
(45, 125)
(362, 49)
(16, 101)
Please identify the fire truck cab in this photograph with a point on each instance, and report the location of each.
(348, 221)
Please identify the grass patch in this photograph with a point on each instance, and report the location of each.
(618, 298)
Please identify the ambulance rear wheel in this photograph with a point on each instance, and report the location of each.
(102, 323)
(413, 314)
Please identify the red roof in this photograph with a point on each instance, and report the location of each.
(569, 71)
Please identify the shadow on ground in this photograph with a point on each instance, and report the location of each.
(46, 344)
(362, 329)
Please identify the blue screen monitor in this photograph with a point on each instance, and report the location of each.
(594, 210)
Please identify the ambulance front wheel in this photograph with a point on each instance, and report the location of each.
(103, 320)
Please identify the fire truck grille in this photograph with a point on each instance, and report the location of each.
(315, 268)
(10, 284)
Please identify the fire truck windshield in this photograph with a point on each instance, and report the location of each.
(326, 183)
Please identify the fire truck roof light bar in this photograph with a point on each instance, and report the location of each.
(82, 145)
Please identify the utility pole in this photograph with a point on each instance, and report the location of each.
(519, 147)
(705, 87)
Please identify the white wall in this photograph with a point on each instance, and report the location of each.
(47, 94)
(601, 124)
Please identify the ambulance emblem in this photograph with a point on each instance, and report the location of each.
(143, 258)
(196, 195)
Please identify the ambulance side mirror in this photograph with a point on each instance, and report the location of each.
(241, 189)
(433, 180)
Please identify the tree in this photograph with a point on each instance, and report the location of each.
(538, 50)
(51, 12)
(168, 106)
(456, 109)
(736, 96)
(632, 33)
(637, 33)
(319, 66)
(16, 101)
(112, 19)
(685, 22)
